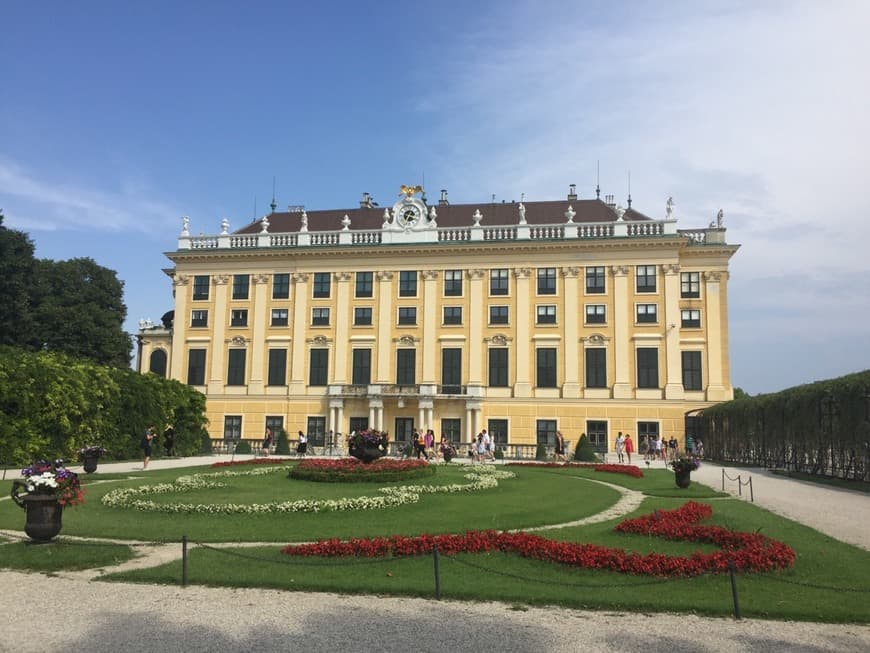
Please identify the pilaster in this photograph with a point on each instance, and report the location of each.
(430, 319)
(342, 327)
(301, 319)
(219, 344)
(523, 384)
(258, 341)
(181, 289)
(673, 363)
(570, 318)
(383, 373)
(622, 347)
(476, 311)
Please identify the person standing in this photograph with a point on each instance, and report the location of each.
(629, 447)
(268, 438)
(560, 447)
(302, 445)
(488, 446)
(620, 447)
(169, 440)
(147, 441)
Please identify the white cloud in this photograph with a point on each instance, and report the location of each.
(40, 204)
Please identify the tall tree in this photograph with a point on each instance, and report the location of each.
(79, 310)
(16, 278)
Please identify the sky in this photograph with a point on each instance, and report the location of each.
(118, 118)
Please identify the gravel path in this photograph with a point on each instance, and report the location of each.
(93, 616)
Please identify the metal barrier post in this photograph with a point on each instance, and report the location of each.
(739, 485)
(751, 493)
(734, 589)
(437, 574)
(184, 560)
(723, 479)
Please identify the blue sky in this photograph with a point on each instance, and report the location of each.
(116, 120)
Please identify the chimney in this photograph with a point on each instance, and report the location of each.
(443, 200)
(609, 201)
(366, 201)
(572, 191)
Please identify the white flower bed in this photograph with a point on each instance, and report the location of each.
(482, 478)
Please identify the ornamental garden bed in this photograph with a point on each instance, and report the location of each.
(352, 470)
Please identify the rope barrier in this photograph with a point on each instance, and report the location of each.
(815, 586)
(328, 562)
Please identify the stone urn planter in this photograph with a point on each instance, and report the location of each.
(683, 479)
(90, 462)
(43, 512)
(367, 453)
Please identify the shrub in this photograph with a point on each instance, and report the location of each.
(541, 452)
(584, 451)
(499, 453)
(243, 446)
(282, 444)
(205, 447)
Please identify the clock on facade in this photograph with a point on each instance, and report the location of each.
(409, 213)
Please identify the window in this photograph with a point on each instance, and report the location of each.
(690, 284)
(280, 286)
(595, 280)
(321, 285)
(596, 367)
(236, 367)
(546, 366)
(596, 431)
(320, 317)
(645, 276)
(451, 371)
(690, 318)
(364, 284)
(280, 317)
(199, 318)
(362, 367)
(196, 367)
(157, 362)
(648, 430)
(692, 370)
(595, 314)
(646, 313)
(318, 367)
(546, 432)
(239, 317)
(408, 283)
(408, 315)
(498, 282)
(453, 283)
(647, 367)
(406, 360)
(452, 315)
(546, 281)
(277, 367)
(316, 430)
(498, 314)
(498, 430)
(241, 286)
(362, 316)
(547, 314)
(404, 429)
(498, 367)
(200, 287)
(276, 423)
(232, 427)
(451, 429)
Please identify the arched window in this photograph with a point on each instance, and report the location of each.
(158, 362)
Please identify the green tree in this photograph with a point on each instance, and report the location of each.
(740, 393)
(584, 451)
(16, 275)
(79, 309)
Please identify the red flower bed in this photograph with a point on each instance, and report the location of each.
(631, 470)
(750, 552)
(252, 461)
(355, 466)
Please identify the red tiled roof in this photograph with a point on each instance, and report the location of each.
(450, 215)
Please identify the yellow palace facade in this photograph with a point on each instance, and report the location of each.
(520, 318)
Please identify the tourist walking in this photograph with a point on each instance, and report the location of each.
(629, 447)
(268, 438)
(302, 445)
(620, 447)
(560, 447)
(147, 441)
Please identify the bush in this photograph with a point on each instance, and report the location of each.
(584, 451)
(541, 452)
(499, 453)
(282, 443)
(206, 445)
(243, 446)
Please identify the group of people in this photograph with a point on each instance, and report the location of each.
(483, 447)
(624, 447)
(147, 444)
(657, 448)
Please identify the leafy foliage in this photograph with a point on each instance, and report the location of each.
(584, 450)
(52, 405)
(282, 443)
(16, 273)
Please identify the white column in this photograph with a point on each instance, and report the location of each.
(299, 327)
(523, 385)
(571, 363)
(673, 360)
(622, 347)
(469, 425)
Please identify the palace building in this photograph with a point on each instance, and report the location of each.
(521, 318)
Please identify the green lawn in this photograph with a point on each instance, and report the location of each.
(829, 582)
